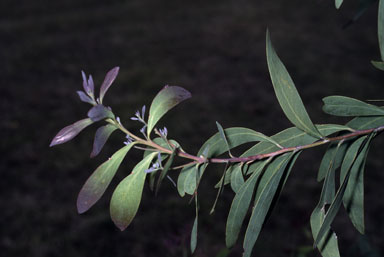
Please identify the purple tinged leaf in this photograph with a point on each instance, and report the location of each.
(85, 98)
(109, 78)
(99, 112)
(101, 137)
(91, 85)
(166, 99)
(98, 182)
(70, 131)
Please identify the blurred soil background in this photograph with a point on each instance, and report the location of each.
(216, 50)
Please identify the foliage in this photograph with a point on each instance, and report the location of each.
(257, 176)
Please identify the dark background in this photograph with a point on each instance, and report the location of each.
(216, 50)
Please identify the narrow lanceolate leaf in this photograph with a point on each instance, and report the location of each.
(221, 188)
(194, 235)
(272, 177)
(98, 182)
(235, 137)
(366, 122)
(378, 65)
(166, 99)
(193, 178)
(327, 246)
(240, 206)
(353, 199)
(101, 137)
(164, 172)
(223, 137)
(182, 177)
(108, 80)
(127, 196)
(332, 158)
(237, 179)
(99, 112)
(350, 157)
(380, 28)
(346, 106)
(70, 131)
(287, 95)
(338, 3)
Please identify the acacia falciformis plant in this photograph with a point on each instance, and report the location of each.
(257, 176)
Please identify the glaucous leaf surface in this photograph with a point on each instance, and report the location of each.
(353, 199)
(85, 98)
(338, 3)
(350, 157)
(165, 100)
(286, 93)
(332, 158)
(235, 136)
(328, 246)
(272, 177)
(378, 65)
(186, 171)
(347, 106)
(194, 235)
(98, 182)
(290, 137)
(101, 137)
(108, 80)
(99, 112)
(164, 171)
(70, 131)
(126, 198)
(360, 123)
(237, 179)
(380, 29)
(193, 178)
(240, 206)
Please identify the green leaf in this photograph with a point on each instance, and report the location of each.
(380, 28)
(350, 158)
(346, 106)
(327, 246)
(165, 100)
(353, 199)
(227, 177)
(290, 137)
(235, 137)
(332, 158)
(164, 172)
(127, 196)
(70, 131)
(194, 235)
(338, 3)
(98, 182)
(223, 137)
(287, 95)
(378, 65)
(101, 137)
(237, 179)
(271, 179)
(193, 178)
(182, 178)
(360, 123)
(239, 207)
(221, 188)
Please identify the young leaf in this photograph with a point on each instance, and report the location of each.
(127, 196)
(237, 179)
(194, 228)
(346, 106)
(164, 172)
(272, 177)
(70, 131)
(350, 157)
(98, 182)
(287, 95)
(338, 3)
(108, 80)
(101, 137)
(99, 112)
(239, 207)
(166, 99)
(235, 137)
(221, 188)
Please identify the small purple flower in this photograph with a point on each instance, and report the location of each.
(129, 140)
(155, 166)
(140, 116)
(163, 132)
